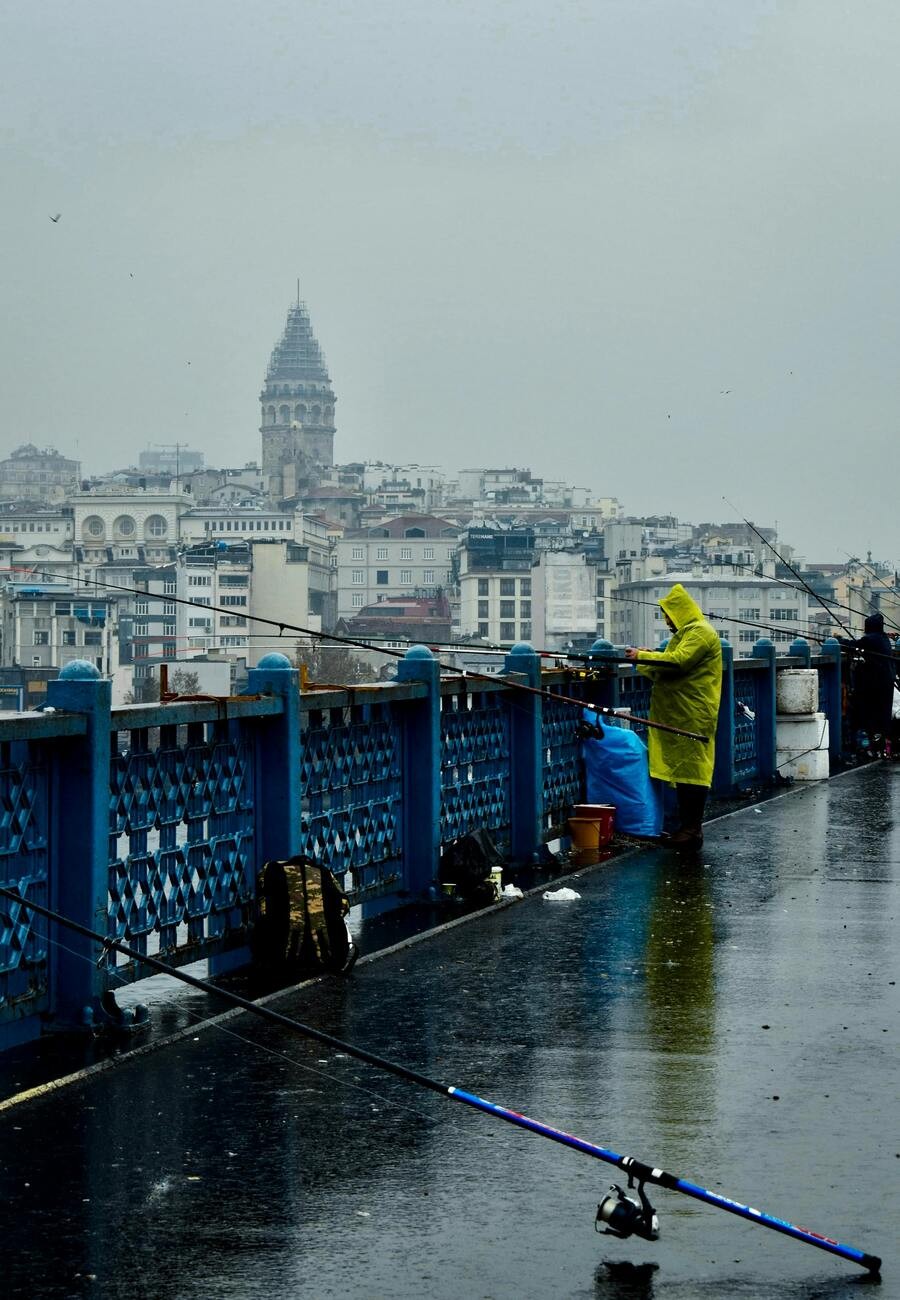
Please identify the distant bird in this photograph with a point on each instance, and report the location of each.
(668, 417)
(57, 217)
(723, 392)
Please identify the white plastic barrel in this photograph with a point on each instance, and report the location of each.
(797, 690)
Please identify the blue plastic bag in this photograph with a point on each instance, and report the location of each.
(617, 772)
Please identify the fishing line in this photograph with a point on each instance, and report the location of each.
(617, 1214)
(783, 561)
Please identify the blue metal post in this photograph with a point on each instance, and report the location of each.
(766, 743)
(277, 766)
(79, 868)
(799, 649)
(833, 697)
(723, 774)
(526, 758)
(421, 773)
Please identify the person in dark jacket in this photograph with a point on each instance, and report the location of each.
(872, 691)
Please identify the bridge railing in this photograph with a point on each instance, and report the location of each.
(149, 823)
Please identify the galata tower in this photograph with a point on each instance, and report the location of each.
(297, 401)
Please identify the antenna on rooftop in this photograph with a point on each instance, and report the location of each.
(298, 293)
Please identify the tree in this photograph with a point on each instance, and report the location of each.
(181, 682)
(333, 664)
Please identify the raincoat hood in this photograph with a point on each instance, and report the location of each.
(875, 623)
(680, 607)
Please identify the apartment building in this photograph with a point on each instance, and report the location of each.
(45, 625)
(496, 584)
(396, 557)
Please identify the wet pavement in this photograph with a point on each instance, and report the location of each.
(733, 1020)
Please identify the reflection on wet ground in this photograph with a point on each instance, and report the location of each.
(732, 1019)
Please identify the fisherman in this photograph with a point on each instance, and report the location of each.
(873, 686)
(687, 686)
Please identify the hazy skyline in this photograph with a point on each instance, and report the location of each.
(647, 247)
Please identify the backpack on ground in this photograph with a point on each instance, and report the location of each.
(301, 924)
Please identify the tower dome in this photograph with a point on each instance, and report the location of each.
(297, 408)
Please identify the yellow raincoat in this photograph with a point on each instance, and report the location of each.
(687, 685)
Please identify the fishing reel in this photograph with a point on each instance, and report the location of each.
(588, 731)
(623, 1216)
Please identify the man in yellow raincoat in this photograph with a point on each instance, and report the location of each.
(687, 685)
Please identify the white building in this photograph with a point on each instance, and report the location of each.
(115, 524)
(398, 557)
(232, 523)
(564, 585)
(228, 587)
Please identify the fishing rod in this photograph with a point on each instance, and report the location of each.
(783, 561)
(464, 673)
(618, 1214)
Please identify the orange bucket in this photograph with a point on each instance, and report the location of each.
(592, 825)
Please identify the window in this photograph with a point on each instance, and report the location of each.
(428, 553)
(199, 622)
(482, 629)
(234, 600)
(357, 600)
(358, 577)
(93, 638)
(405, 577)
(524, 586)
(381, 577)
(747, 634)
(484, 609)
(42, 638)
(507, 631)
(381, 553)
(405, 552)
(507, 586)
(483, 586)
(749, 612)
(507, 609)
(601, 586)
(784, 614)
(525, 609)
(169, 587)
(357, 553)
(68, 638)
(156, 526)
(168, 608)
(63, 607)
(169, 649)
(525, 631)
(428, 577)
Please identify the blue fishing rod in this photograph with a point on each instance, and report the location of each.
(618, 1214)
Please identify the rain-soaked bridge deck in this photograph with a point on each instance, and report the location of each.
(732, 1020)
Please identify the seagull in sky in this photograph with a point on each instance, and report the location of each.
(57, 217)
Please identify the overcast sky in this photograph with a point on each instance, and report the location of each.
(650, 246)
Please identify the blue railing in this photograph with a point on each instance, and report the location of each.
(149, 823)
